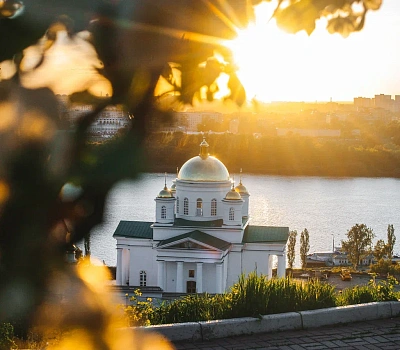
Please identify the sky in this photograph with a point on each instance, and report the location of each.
(286, 67)
(273, 65)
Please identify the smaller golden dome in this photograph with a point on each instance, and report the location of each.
(241, 189)
(233, 195)
(165, 193)
(173, 187)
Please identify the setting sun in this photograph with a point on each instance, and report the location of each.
(277, 66)
(264, 56)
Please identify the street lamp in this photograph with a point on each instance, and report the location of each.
(126, 299)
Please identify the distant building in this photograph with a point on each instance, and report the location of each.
(191, 120)
(340, 259)
(383, 101)
(396, 104)
(363, 102)
(106, 125)
(109, 123)
(308, 132)
(337, 258)
(326, 257)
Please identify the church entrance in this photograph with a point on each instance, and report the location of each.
(191, 287)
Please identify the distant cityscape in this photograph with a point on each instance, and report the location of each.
(322, 120)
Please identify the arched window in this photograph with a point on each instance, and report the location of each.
(163, 212)
(231, 214)
(177, 205)
(213, 207)
(199, 207)
(143, 279)
(186, 206)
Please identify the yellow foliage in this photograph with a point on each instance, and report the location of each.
(87, 316)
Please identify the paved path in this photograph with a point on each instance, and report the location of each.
(379, 334)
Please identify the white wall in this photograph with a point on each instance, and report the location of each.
(209, 282)
(253, 260)
(234, 266)
(142, 258)
(205, 191)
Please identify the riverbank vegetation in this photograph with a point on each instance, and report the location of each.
(256, 295)
(267, 154)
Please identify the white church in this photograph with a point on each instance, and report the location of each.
(201, 239)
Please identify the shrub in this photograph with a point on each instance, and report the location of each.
(194, 307)
(139, 312)
(286, 295)
(381, 291)
(384, 290)
(356, 295)
(385, 266)
(253, 296)
(250, 295)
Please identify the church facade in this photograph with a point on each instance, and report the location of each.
(201, 239)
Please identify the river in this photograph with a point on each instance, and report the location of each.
(327, 207)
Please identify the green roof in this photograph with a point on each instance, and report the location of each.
(134, 229)
(264, 234)
(199, 237)
(191, 223)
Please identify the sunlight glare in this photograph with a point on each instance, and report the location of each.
(277, 66)
(266, 56)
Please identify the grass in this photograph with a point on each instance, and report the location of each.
(254, 295)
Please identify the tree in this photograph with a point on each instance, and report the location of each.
(291, 254)
(304, 247)
(391, 240)
(358, 244)
(380, 249)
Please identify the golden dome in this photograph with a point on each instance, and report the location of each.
(241, 189)
(165, 193)
(173, 187)
(233, 195)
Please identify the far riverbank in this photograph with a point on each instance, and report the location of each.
(272, 155)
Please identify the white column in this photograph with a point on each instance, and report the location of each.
(199, 277)
(281, 265)
(132, 272)
(218, 278)
(179, 276)
(119, 267)
(270, 261)
(160, 276)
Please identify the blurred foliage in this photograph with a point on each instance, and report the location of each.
(137, 42)
(7, 336)
(343, 16)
